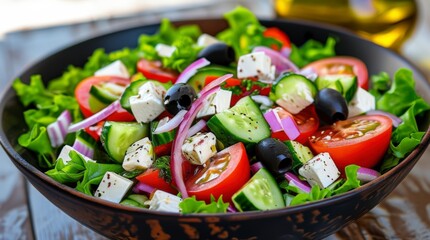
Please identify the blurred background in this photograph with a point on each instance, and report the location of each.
(32, 29)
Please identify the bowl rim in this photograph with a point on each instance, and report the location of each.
(16, 158)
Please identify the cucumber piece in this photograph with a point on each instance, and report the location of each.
(107, 92)
(291, 84)
(261, 192)
(197, 81)
(160, 138)
(349, 84)
(95, 104)
(242, 123)
(116, 137)
(300, 153)
(133, 89)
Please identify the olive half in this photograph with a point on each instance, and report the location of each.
(274, 155)
(218, 53)
(179, 97)
(330, 105)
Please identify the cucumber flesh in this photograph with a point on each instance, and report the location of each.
(242, 123)
(198, 80)
(133, 89)
(161, 138)
(292, 84)
(261, 192)
(300, 153)
(349, 84)
(116, 137)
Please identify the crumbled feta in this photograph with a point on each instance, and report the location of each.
(320, 170)
(148, 104)
(199, 148)
(362, 102)
(256, 64)
(113, 187)
(139, 155)
(116, 68)
(164, 50)
(64, 154)
(163, 201)
(297, 101)
(218, 102)
(205, 40)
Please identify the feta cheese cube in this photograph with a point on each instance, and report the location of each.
(320, 170)
(113, 187)
(64, 155)
(205, 40)
(164, 50)
(296, 101)
(362, 102)
(139, 155)
(218, 102)
(116, 68)
(163, 201)
(199, 148)
(148, 104)
(256, 64)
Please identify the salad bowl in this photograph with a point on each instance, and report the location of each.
(308, 221)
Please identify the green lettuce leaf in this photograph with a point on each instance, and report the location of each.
(380, 84)
(71, 172)
(93, 175)
(191, 205)
(37, 140)
(312, 50)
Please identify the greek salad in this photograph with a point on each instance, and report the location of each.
(239, 121)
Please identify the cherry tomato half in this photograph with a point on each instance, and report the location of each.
(82, 94)
(279, 35)
(307, 123)
(151, 177)
(154, 70)
(342, 65)
(226, 173)
(361, 140)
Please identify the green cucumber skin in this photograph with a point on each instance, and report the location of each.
(288, 84)
(299, 153)
(348, 87)
(116, 137)
(198, 80)
(100, 94)
(161, 138)
(230, 134)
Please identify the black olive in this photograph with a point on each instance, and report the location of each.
(274, 155)
(218, 53)
(179, 97)
(330, 105)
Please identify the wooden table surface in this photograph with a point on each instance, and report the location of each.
(26, 214)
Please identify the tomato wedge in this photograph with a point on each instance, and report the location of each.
(279, 35)
(342, 65)
(82, 94)
(154, 70)
(95, 131)
(226, 173)
(361, 140)
(151, 177)
(307, 123)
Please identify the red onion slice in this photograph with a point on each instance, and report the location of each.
(216, 83)
(281, 63)
(395, 120)
(309, 73)
(191, 70)
(104, 113)
(176, 158)
(367, 174)
(142, 188)
(273, 120)
(290, 127)
(196, 128)
(255, 167)
(57, 130)
(83, 148)
(295, 181)
(286, 51)
(172, 123)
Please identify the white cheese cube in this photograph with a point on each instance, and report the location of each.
(113, 187)
(116, 68)
(148, 104)
(64, 154)
(320, 170)
(362, 102)
(296, 101)
(163, 201)
(139, 156)
(205, 40)
(218, 102)
(256, 64)
(164, 50)
(199, 148)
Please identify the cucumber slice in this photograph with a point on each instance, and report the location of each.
(300, 153)
(107, 92)
(116, 137)
(95, 104)
(161, 138)
(198, 80)
(349, 84)
(292, 84)
(133, 89)
(242, 123)
(261, 192)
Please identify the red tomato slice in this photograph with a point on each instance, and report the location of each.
(226, 173)
(154, 70)
(163, 150)
(361, 140)
(342, 65)
(95, 131)
(82, 94)
(152, 178)
(307, 123)
(279, 35)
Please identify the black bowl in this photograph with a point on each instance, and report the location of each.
(313, 220)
